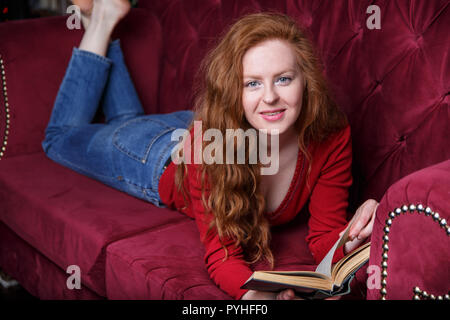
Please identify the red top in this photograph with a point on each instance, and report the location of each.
(329, 180)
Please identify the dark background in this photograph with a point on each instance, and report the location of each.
(27, 9)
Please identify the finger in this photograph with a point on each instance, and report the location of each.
(367, 231)
(334, 298)
(289, 294)
(282, 295)
(367, 212)
(352, 245)
(278, 297)
(359, 224)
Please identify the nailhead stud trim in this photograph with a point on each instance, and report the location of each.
(6, 105)
(418, 293)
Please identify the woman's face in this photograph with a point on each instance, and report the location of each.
(273, 86)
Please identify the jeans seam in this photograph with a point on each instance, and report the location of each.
(153, 142)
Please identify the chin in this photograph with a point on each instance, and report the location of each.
(281, 129)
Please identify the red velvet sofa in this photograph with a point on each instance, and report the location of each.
(393, 83)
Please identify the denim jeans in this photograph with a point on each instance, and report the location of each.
(127, 152)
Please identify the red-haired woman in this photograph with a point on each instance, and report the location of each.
(262, 75)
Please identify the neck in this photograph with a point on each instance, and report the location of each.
(286, 141)
(283, 154)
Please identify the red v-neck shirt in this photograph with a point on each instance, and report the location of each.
(329, 180)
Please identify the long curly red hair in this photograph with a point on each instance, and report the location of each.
(237, 205)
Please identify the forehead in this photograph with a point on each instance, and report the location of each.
(269, 57)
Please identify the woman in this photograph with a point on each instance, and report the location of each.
(262, 75)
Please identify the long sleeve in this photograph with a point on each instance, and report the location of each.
(329, 198)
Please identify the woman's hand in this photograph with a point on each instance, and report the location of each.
(362, 227)
(287, 294)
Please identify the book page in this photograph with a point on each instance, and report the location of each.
(324, 266)
(359, 256)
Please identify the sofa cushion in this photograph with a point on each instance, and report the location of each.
(167, 262)
(70, 218)
(43, 278)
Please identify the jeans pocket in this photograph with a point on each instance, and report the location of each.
(137, 136)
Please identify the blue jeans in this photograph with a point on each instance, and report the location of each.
(127, 152)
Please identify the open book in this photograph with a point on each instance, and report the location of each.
(326, 281)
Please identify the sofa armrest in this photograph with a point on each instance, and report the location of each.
(411, 237)
(35, 54)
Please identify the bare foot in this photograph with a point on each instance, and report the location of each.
(114, 10)
(85, 5)
(105, 15)
(86, 10)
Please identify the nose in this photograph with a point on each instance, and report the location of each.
(270, 95)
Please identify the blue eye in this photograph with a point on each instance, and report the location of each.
(284, 80)
(252, 84)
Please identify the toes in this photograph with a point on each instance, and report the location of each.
(85, 5)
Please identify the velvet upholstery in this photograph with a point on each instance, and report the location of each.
(56, 214)
(418, 254)
(392, 83)
(40, 276)
(391, 120)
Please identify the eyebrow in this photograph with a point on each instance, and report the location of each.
(276, 75)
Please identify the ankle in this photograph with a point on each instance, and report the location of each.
(110, 10)
(100, 20)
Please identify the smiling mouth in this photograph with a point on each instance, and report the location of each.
(272, 113)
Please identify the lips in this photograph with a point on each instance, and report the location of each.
(273, 115)
(272, 112)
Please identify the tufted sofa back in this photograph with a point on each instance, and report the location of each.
(393, 83)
